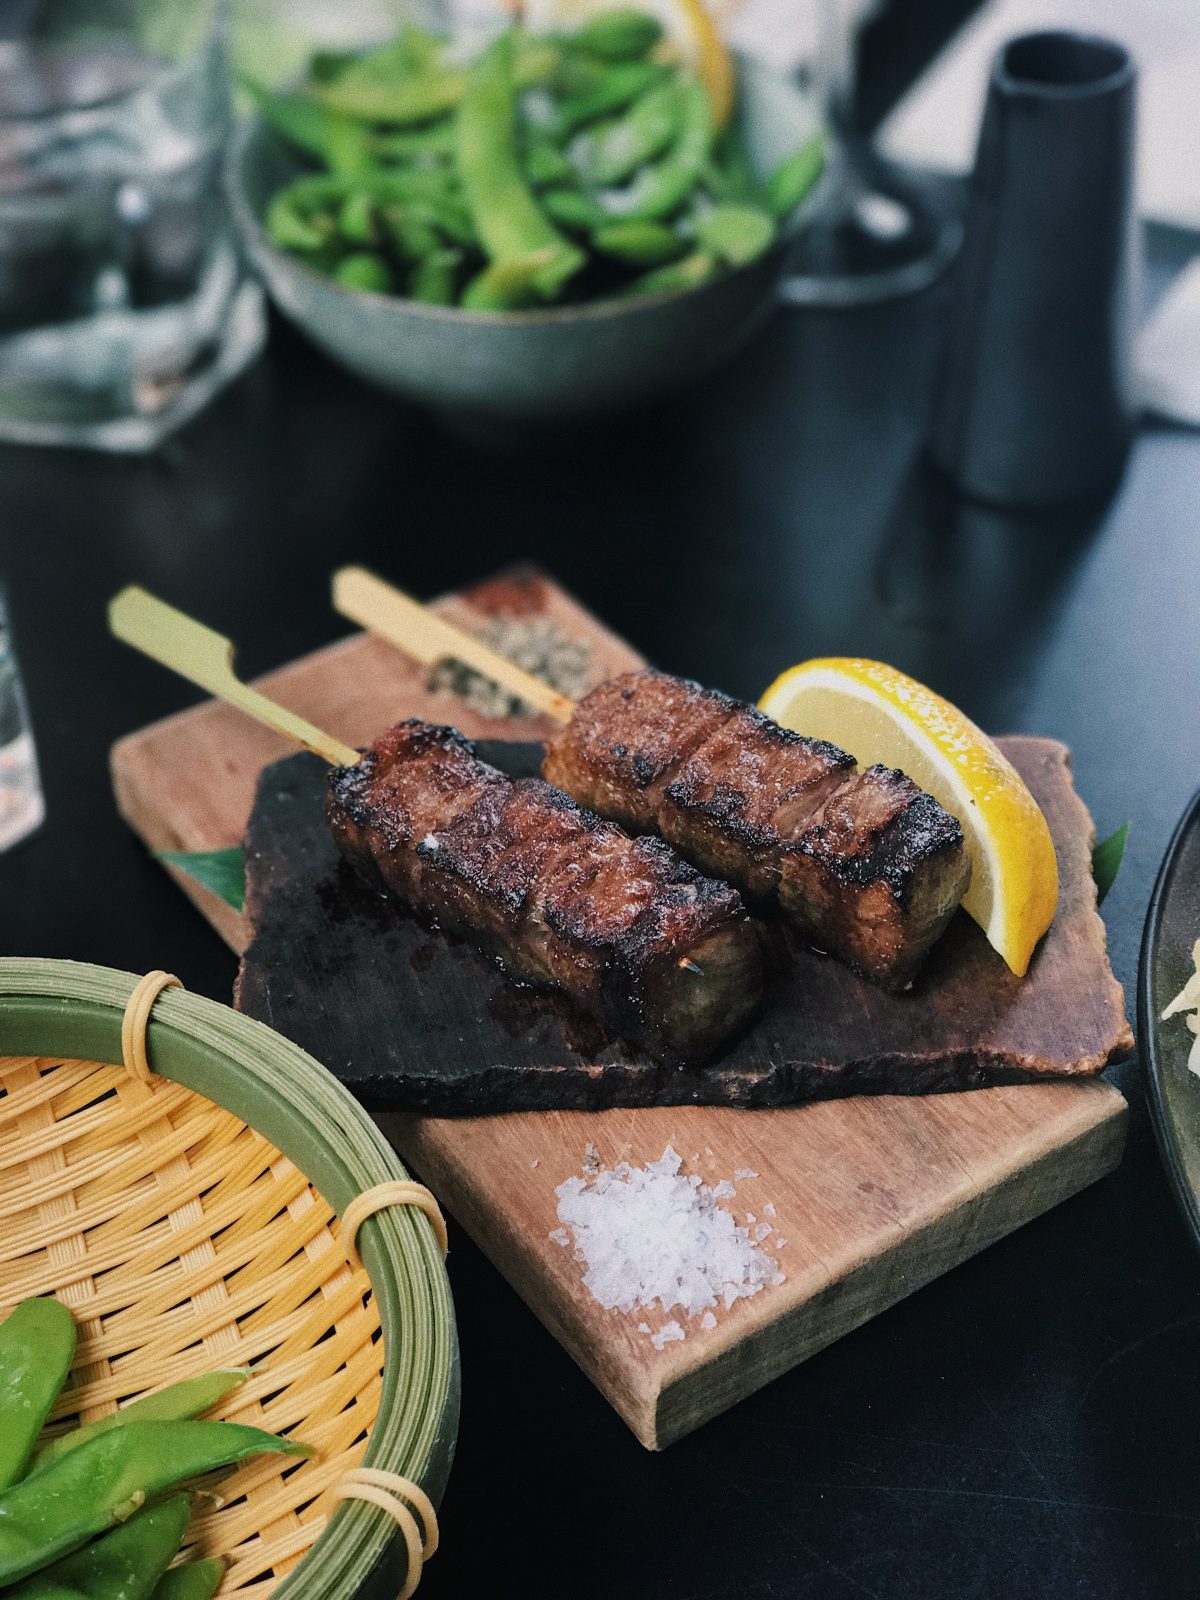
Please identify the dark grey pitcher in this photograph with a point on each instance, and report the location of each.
(1036, 405)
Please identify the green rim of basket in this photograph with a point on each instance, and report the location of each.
(74, 1010)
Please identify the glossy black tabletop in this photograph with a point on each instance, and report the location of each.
(1028, 1425)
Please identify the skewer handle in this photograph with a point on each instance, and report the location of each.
(392, 615)
(205, 658)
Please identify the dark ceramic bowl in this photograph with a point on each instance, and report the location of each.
(552, 363)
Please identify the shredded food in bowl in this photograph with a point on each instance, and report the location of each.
(1188, 999)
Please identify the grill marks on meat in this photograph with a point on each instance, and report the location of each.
(661, 954)
(866, 864)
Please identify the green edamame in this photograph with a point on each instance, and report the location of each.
(37, 1346)
(105, 1481)
(619, 35)
(125, 1564)
(364, 269)
(507, 285)
(610, 152)
(608, 91)
(179, 1402)
(573, 210)
(545, 164)
(433, 278)
(195, 1580)
(639, 241)
(692, 271)
(793, 178)
(659, 190)
(735, 234)
(508, 218)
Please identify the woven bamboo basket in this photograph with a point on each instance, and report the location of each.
(191, 1221)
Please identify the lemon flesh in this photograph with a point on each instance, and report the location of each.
(881, 715)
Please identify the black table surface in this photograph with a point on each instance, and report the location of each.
(1029, 1424)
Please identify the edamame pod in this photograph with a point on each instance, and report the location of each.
(37, 1346)
(640, 242)
(195, 1580)
(433, 278)
(793, 178)
(735, 234)
(619, 35)
(545, 164)
(107, 1480)
(686, 274)
(125, 1564)
(364, 269)
(507, 285)
(610, 152)
(661, 189)
(179, 1402)
(510, 222)
(310, 127)
(609, 91)
(573, 210)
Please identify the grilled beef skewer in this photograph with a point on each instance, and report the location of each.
(868, 866)
(660, 954)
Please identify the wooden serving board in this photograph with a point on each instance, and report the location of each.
(873, 1196)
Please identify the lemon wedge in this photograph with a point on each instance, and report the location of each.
(882, 715)
(690, 37)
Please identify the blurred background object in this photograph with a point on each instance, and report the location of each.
(22, 808)
(123, 305)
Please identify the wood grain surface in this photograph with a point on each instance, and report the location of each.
(875, 1196)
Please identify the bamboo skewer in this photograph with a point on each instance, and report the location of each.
(205, 658)
(391, 614)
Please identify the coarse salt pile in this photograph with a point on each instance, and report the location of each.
(653, 1236)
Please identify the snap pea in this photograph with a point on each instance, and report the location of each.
(179, 1402)
(509, 219)
(610, 152)
(338, 140)
(109, 1478)
(793, 178)
(125, 1564)
(686, 274)
(735, 234)
(364, 269)
(619, 35)
(661, 189)
(639, 241)
(606, 92)
(507, 285)
(37, 1346)
(195, 1580)
(433, 278)
(432, 92)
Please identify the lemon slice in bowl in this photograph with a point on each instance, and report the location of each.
(882, 715)
(690, 37)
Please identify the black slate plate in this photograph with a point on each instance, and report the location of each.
(1172, 928)
(411, 1020)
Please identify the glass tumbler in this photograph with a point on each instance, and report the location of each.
(124, 305)
(22, 808)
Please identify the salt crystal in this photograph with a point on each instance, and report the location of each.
(654, 1237)
(763, 1231)
(533, 1163)
(708, 1321)
(769, 1209)
(561, 1236)
(743, 1172)
(781, 1244)
(667, 1334)
(643, 1327)
(708, 1149)
(429, 842)
(750, 1217)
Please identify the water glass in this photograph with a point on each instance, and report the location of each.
(22, 808)
(123, 303)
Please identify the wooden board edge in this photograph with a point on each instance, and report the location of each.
(701, 1392)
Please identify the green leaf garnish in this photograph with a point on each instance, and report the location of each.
(1106, 860)
(221, 871)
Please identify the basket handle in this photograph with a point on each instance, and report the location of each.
(403, 1192)
(389, 1491)
(137, 1019)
